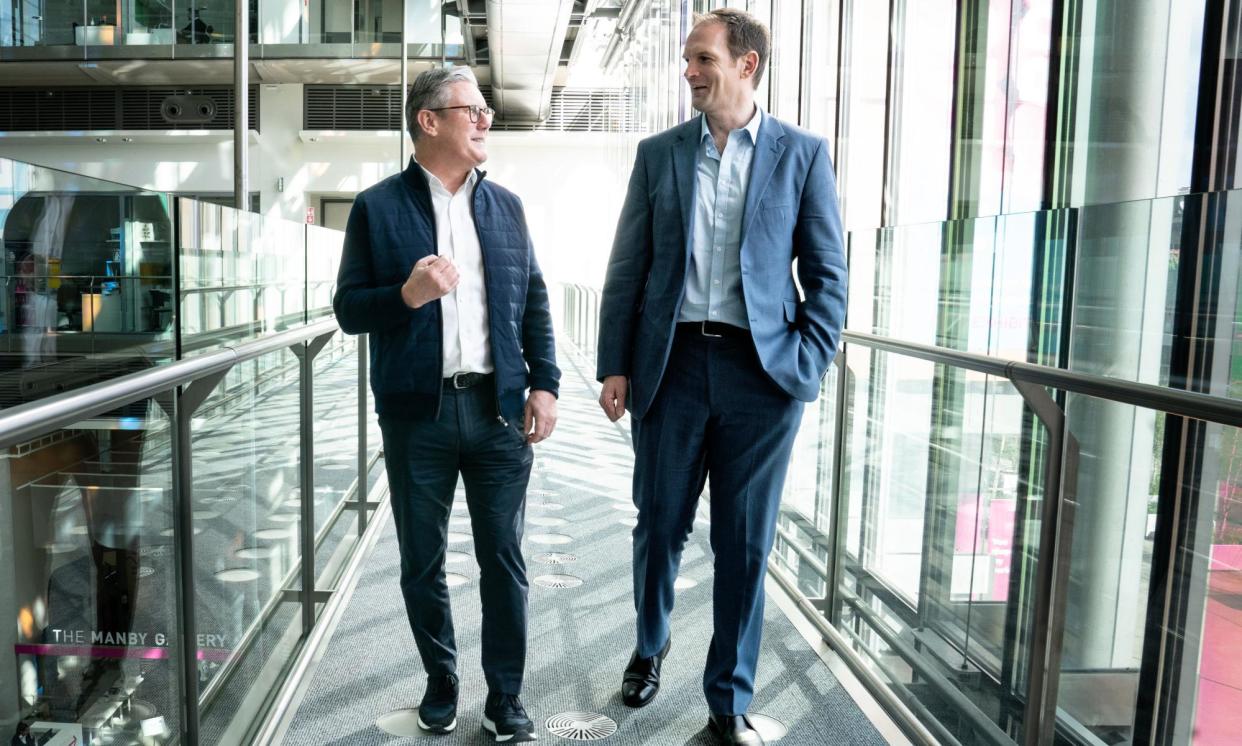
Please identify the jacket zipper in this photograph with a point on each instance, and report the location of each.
(435, 249)
(491, 332)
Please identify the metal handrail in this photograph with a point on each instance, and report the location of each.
(1172, 401)
(1179, 402)
(26, 421)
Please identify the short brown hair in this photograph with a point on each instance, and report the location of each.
(745, 33)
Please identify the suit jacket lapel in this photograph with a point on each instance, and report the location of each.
(768, 150)
(684, 174)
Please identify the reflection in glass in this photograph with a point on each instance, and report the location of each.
(246, 496)
(87, 529)
(242, 274)
(87, 286)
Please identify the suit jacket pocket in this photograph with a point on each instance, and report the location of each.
(791, 311)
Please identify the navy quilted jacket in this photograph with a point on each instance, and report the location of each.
(392, 226)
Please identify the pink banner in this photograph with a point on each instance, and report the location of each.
(112, 651)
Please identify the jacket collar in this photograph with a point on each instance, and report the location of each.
(416, 179)
(768, 150)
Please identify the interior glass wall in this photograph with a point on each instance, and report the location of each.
(1025, 180)
(100, 280)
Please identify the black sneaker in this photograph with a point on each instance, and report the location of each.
(437, 713)
(505, 718)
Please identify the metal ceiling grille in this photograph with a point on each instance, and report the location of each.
(354, 107)
(69, 109)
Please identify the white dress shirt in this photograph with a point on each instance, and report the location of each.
(467, 348)
(714, 282)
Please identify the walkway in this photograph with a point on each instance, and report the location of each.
(581, 636)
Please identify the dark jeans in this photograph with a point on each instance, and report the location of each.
(716, 416)
(424, 459)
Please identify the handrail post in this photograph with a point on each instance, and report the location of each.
(364, 473)
(1056, 533)
(180, 406)
(839, 507)
(306, 352)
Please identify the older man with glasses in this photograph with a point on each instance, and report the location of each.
(438, 268)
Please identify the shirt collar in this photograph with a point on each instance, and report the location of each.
(434, 182)
(752, 126)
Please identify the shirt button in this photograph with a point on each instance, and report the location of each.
(717, 249)
(715, 313)
(715, 282)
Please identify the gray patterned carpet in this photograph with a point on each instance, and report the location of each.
(580, 638)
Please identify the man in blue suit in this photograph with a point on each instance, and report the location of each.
(721, 312)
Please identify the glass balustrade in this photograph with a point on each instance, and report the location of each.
(101, 535)
(916, 515)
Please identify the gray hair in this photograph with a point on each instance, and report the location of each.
(430, 90)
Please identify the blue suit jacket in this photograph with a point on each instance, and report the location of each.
(791, 226)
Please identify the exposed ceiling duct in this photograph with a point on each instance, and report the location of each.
(525, 40)
(631, 15)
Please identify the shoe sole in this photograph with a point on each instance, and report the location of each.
(519, 737)
(437, 729)
(721, 738)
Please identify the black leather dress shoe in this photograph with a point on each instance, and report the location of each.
(642, 677)
(734, 729)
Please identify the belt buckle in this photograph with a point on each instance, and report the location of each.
(705, 333)
(458, 380)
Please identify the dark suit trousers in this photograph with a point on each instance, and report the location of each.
(424, 459)
(717, 416)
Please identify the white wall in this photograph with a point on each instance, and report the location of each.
(571, 183)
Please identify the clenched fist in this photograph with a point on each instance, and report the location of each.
(432, 277)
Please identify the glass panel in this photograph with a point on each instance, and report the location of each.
(149, 22)
(86, 277)
(246, 516)
(380, 21)
(1209, 700)
(242, 275)
(29, 23)
(978, 490)
(330, 23)
(323, 256)
(806, 505)
(786, 53)
(819, 68)
(1110, 564)
(922, 112)
(1125, 289)
(889, 466)
(207, 21)
(981, 100)
(88, 590)
(939, 515)
(336, 437)
(860, 154)
(1123, 59)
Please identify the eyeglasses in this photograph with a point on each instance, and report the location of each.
(474, 111)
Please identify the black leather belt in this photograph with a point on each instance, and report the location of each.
(461, 381)
(713, 330)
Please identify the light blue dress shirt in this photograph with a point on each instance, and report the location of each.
(714, 280)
